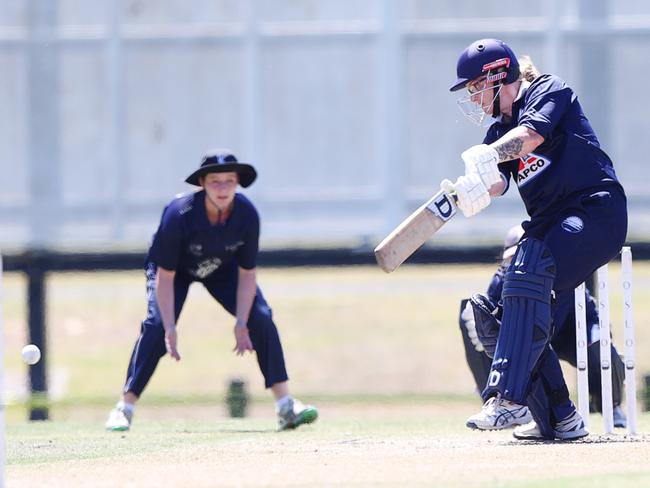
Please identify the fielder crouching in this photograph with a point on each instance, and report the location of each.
(210, 236)
(541, 140)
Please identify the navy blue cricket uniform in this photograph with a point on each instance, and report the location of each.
(568, 184)
(187, 243)
(578, 222)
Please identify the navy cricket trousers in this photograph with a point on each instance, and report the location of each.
(587, 234)
(150, 346)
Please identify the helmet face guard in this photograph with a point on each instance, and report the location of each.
(471, 105)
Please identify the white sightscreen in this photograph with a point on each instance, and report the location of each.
(343, 107)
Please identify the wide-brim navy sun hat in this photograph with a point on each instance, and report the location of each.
(223, 161)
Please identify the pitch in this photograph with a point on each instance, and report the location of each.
(363, 442)
(381, 355)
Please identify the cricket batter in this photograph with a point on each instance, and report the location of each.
(209, 236)
(541, 141)
(479, 344)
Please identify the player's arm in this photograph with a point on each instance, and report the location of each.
(483, 159)
(246, 289)
(516, 143)
(165, 299)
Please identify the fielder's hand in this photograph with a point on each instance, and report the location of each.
(467, 317)
(471, 194)
(242, 341)
(171, 338)
(483, 160)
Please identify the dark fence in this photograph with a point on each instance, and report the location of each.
(37, 264)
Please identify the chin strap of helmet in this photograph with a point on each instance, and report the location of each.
(497, 72)
(496, 103)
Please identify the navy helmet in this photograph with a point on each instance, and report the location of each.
(490, 57)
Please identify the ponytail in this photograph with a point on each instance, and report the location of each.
(528, 71)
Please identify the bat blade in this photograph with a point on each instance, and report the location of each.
(414, 231)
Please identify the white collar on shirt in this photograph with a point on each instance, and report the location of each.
(522, 89)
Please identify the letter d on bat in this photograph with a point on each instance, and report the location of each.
(443, 206)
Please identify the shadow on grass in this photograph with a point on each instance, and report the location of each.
(247, 431)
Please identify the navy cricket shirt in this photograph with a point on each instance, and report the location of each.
(569, 160)
(186, 241)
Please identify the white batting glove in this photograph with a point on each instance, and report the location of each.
(483, 160)
(467, 316)
(471, 194)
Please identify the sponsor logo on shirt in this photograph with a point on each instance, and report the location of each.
(206, 268)
(234, 246)
(530, 167)
(185, 208)
(195, 249)
(573, 224)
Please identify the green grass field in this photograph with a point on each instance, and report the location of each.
(381, 356)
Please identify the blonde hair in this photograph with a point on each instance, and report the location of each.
(527, 70)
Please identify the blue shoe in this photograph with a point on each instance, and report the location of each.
(620, 420)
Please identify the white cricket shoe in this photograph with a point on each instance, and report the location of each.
(295, 413)
(571, 428)
(499, 413)
(119, 419)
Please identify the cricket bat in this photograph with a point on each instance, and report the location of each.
(415, 230)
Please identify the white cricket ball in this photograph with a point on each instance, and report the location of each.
(31, 354)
